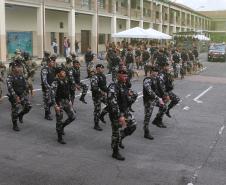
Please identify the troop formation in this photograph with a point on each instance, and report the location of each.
(59, 82)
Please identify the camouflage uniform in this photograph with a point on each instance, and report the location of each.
(151, 98)
(61, 98)
(76, 75)
(89, 56)
(31, 67)
(165, 89)
(47, 78)
(129, 59)
(119, 103)
(17, 87)
(98, 87)
(115, 60)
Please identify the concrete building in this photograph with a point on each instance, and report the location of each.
(32, 25)
(217, 29)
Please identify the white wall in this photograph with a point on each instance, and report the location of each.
(121, 22)
(53, 19)
(105, 25)
(83, 22)
(20, 18)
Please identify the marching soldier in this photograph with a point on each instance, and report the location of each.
(62, 102)
(17, 88)
(151, 98)
(165, 89)
(89, 56)
(99, 93)
(78, 84)
(122, 120)
(2, 72)
(31, 67)
(47, 78)
(129, 60)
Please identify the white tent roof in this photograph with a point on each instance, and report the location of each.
(132, 33)
(202, 37)
(154, 33)
(141, 33)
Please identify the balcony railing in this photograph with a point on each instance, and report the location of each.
(58, 3)
(122, 11)
(84, 5)
(134, 13)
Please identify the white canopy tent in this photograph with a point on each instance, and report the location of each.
(154, 33)
(142, 34)
(202, 37)
(132, 33)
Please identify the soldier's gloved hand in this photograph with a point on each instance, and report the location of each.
(122, 121)
(17, 99)
(78, 87)
(57, 108)
(130, 93)
(166, 99)
(161, 102)
(103, 93)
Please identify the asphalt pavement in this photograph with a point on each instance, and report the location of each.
(191, 150)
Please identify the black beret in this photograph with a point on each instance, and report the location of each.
(59, 69)
(76, 62)
(121, 71)
(155, 68)
(100, 65)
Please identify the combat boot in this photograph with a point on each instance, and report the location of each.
(60, 139)
(15, 126)
(121, 145)
(97, 127)
(20, 116)
(147, 134)
(101, 117)
(168, 113)
(47, 116)
(117, 155)
(82, 99)
(157, 122)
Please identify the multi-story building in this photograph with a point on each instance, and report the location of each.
(217, 29)
(32, 25)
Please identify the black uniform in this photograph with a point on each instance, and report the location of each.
(166, 89)
(77, 79)
(151, 98)
(47, 77)
(18, 88)
(119, 103)
(99, 88)
(61, 98)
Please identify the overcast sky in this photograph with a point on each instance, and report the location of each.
(202, 5)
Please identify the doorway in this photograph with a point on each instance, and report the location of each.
(85, 40)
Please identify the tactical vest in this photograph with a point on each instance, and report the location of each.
(63, 90)
(50, 75)
(122, 97)
(76, 75)
(19, 85)
(154, 87)
(102, 82)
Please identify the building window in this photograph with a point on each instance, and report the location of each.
(157, 15)
(101, 38)
(101, 3)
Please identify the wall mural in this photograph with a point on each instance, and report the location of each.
(19, 40)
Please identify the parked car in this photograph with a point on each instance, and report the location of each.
(217, 52)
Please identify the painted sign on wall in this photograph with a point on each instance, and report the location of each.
(19, 40)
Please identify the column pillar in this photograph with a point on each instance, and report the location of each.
(141, 23)
(2, 32)
(114, 21)
(94, 40)
(161, 18)
(40, 30)
(71, 28)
